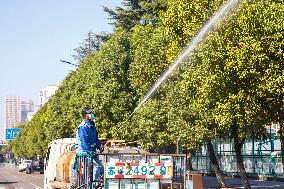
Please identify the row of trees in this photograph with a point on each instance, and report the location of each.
(230, 87)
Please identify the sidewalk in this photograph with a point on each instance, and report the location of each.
(236, 183)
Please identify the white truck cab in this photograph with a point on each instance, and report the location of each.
(55, 149)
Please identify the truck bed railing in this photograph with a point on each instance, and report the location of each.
(133, 170)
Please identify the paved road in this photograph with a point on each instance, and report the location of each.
(11, 178)
(236, 183)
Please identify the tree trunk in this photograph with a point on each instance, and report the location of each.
(238, 144)
(215, 165)
(280, 119)
(282, 143)
(189, 161)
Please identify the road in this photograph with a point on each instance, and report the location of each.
(236, 183)
(11, 178)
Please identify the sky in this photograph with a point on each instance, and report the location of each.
(35, 35)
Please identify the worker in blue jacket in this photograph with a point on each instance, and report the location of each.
(87, 135)
(88, 143)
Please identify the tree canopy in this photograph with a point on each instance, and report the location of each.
(235, 77)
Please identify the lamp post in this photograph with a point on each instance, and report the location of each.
(177, 139)
(67, 62)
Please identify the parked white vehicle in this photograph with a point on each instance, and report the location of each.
(24, 165)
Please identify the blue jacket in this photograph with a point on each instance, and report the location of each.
(87, 137)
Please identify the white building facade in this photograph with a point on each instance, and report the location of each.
(46, 93)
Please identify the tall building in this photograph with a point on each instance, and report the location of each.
(46, 93)
(27, 106)
(17, 109)
(13, 111)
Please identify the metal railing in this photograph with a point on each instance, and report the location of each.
(84, 178)
(257, 165)
(144, 179)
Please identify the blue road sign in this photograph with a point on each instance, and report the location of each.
(12, 133)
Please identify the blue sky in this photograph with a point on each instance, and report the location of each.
(35, 35)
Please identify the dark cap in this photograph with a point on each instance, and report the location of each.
(86, 110)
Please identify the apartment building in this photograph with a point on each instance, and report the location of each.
(17, 109)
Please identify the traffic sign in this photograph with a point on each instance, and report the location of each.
(12, 133)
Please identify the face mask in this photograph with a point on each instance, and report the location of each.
(91, 117)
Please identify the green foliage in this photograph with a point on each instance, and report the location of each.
(226, 84)
(22, 145)
(90, 45)
(183, 19)
(235, 77)
(136, 12)
(239, 56)
(113, 97)
(148, 48)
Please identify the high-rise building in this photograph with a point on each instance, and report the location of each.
(13, 111)
(17, 109)
(46, 93)
(27, 106)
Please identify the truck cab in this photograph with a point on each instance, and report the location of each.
(55, 149)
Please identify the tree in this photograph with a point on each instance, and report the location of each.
(148, 49)
(90, 45)
(182, 20)
(136, 12)
(232, 78)
(230, 87)
(190, 118)
(113, 97)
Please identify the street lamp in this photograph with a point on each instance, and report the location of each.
(64, 61)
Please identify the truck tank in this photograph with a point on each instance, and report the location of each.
(64, 167)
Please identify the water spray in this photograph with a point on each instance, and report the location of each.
(189, 49)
